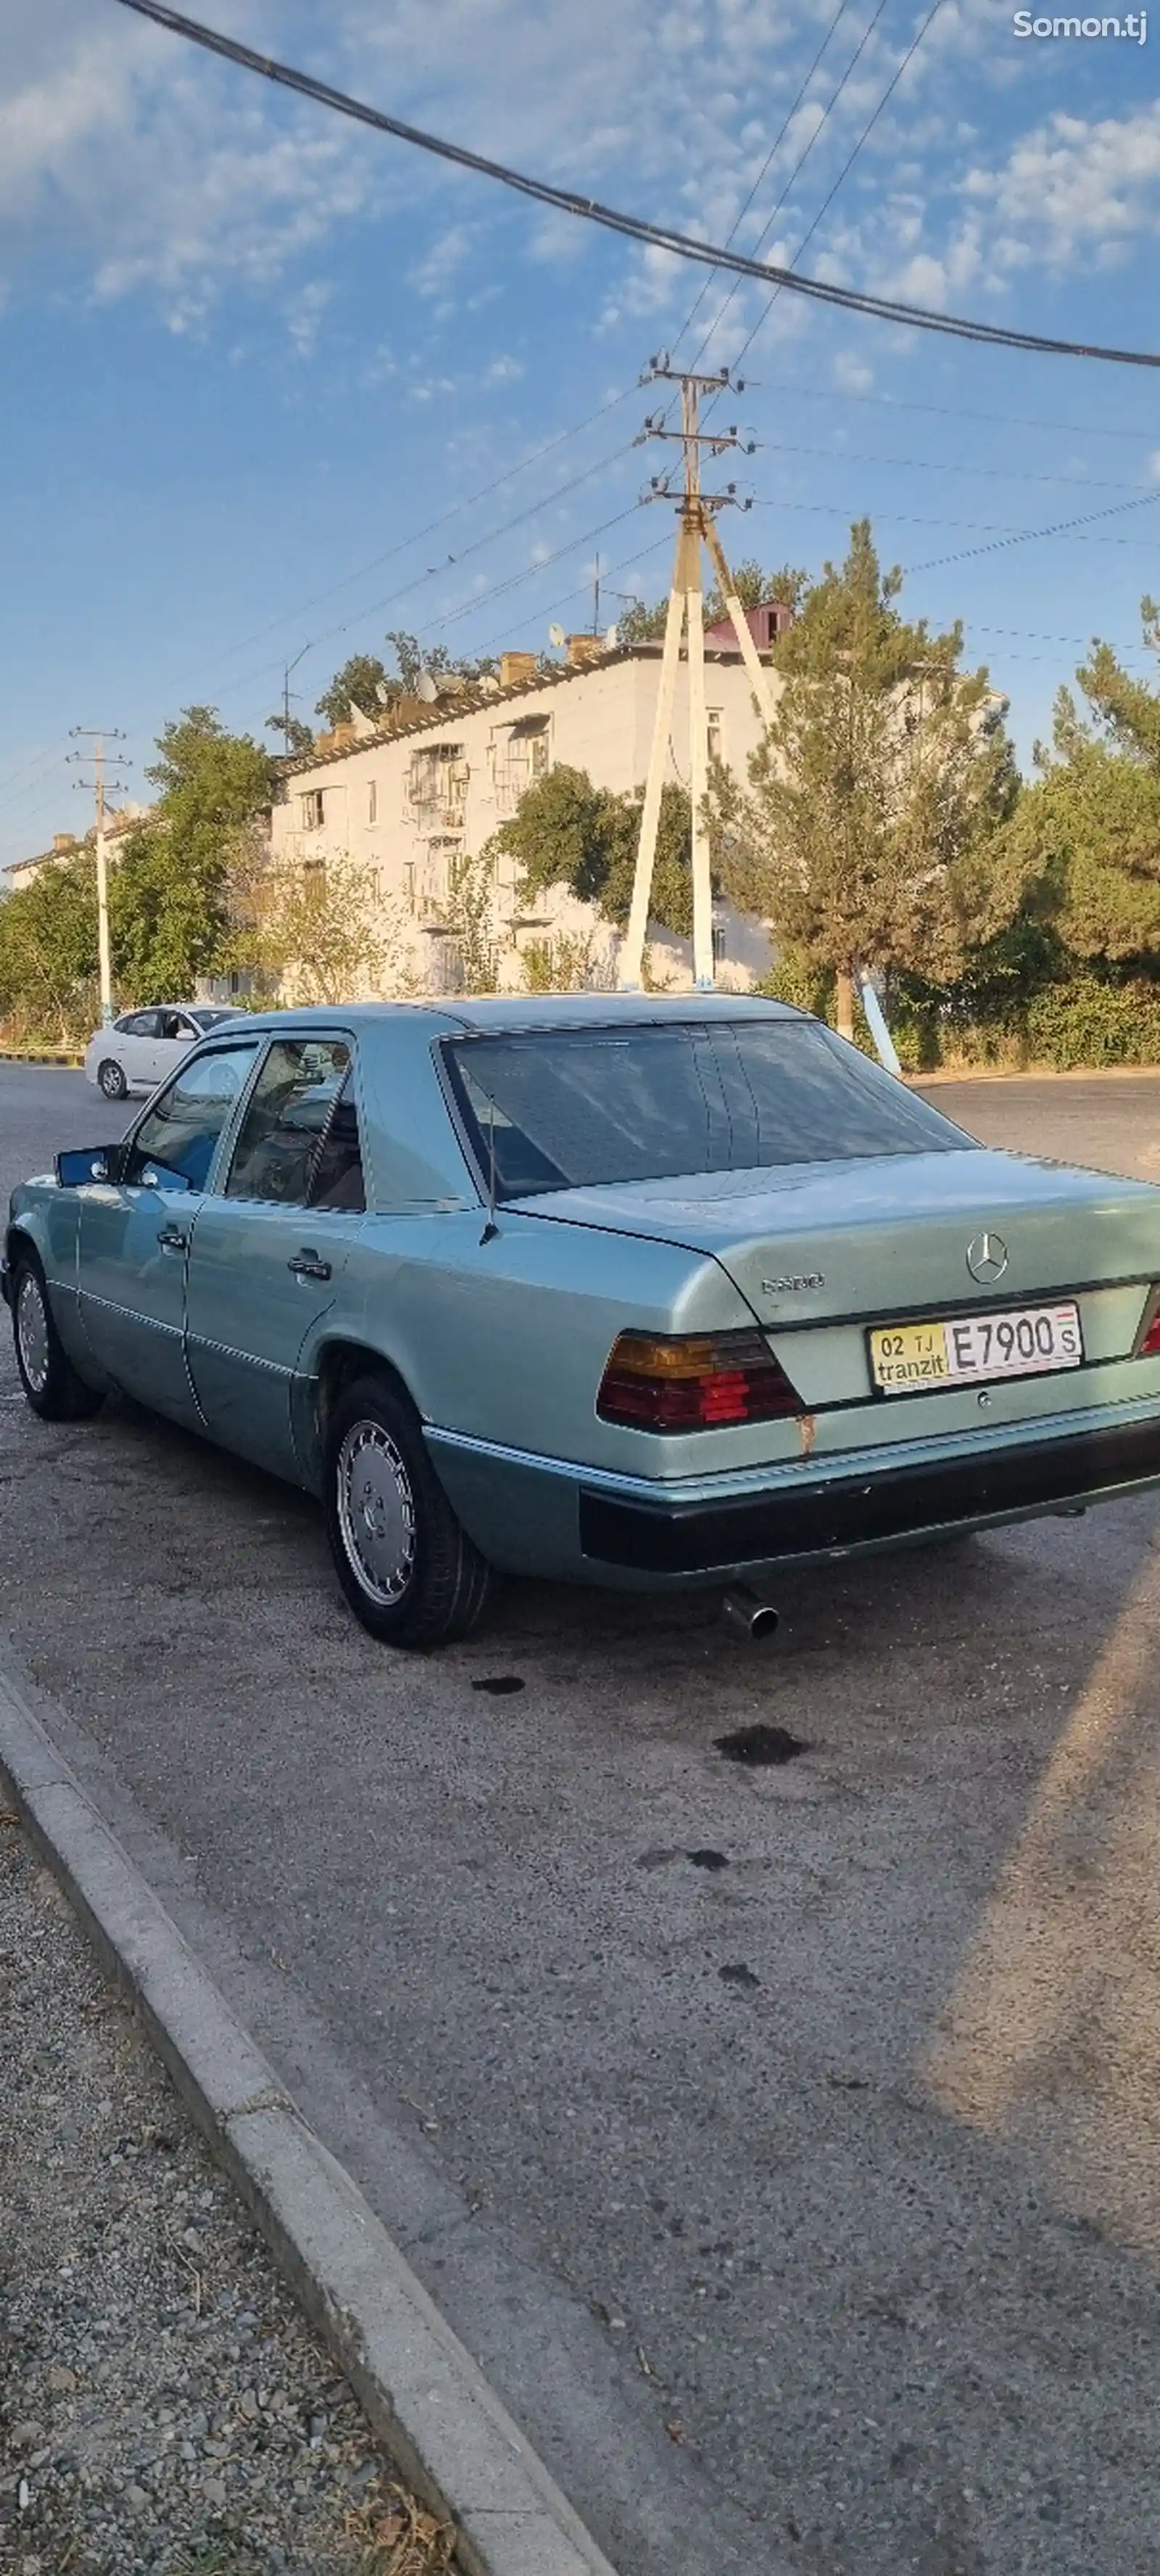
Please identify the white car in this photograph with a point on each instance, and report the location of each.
(142, 1047)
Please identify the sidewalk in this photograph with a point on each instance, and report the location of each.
(163, 2405)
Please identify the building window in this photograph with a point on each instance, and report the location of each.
(521, 754)
(375, 884)
(409, 884)
(312, 809)
(714, 736)
(372, 800)
(438, 781)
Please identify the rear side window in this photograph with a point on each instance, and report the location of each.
(288, 1123)
(568, 1109)
(140, 1024)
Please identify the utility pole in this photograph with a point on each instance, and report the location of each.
(696, 527)
(290, 666)
(100, 787)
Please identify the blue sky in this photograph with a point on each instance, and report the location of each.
(249, 354)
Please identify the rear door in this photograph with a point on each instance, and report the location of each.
(175, 1036)
(135, 1233)
(137, 1049)
(269, 1248)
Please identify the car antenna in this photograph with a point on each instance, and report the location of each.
(491, 1229)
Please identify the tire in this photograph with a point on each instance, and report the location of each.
(50, 1382)
(408, 1570)
(111, 1078)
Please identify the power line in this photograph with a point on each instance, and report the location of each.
(770, 158)
(944, 465)
(980, 527)
(469, 502)
(951, 411)
(847, 166)
(632, 227)
(1062, 528)
(794, 175)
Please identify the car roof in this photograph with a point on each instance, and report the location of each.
(524, 1012)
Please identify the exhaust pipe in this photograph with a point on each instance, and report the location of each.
(748, 1615)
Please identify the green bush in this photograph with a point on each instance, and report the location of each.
(1087, 1022)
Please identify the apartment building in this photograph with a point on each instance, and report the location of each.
(433, 783)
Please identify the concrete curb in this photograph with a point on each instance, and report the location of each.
(35, 1055)
(437, 2416)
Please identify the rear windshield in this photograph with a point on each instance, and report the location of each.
(568, 1109)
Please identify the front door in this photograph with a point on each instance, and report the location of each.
(269, 1248)
(135, 1233)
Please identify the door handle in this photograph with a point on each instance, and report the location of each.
(173, 1238)
(306, 1265)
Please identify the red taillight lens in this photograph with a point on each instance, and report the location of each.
(1150, 1346)
(697, 1382)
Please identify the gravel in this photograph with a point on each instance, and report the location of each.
(163, 2405)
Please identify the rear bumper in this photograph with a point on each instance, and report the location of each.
(844, 1511)
(545, 1516)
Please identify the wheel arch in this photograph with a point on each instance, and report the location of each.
(339, 1360)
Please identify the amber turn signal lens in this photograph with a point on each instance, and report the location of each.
(694, 1382)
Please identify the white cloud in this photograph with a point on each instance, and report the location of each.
(1071, 188)
(131, 165)
(305, 315)
(504, 371)
(852, 373)
(441, 262)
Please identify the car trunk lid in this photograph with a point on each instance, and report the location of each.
(891, 1234)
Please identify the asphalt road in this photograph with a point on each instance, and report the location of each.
(805, 2204)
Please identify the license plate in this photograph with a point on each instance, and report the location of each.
(1024, 1341)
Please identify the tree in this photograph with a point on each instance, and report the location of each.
(366, 683)
(320, 928)
(643, 624)
(1085, 842)
(357, 684)
(468, 914)
(169, 892)
(866, 834)
(566, 831)
(48, 953)
(297, 736)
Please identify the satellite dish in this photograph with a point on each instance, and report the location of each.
(557, 637)
(427, 688)
(611, 639)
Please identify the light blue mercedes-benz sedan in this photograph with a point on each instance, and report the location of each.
(625, 1291)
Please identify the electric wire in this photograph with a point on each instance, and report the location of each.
(469, 502)
(791, 182)
(636, 227)
(766, 165)
(844, 172)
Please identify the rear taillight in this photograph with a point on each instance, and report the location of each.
(694, 1382)
(1149, 1347)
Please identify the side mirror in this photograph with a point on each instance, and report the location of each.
(88, 1163)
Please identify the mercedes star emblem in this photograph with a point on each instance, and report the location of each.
(987, 1258)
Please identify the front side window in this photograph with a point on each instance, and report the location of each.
(179, 1137)
(582, 1108)
(288, 1124)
